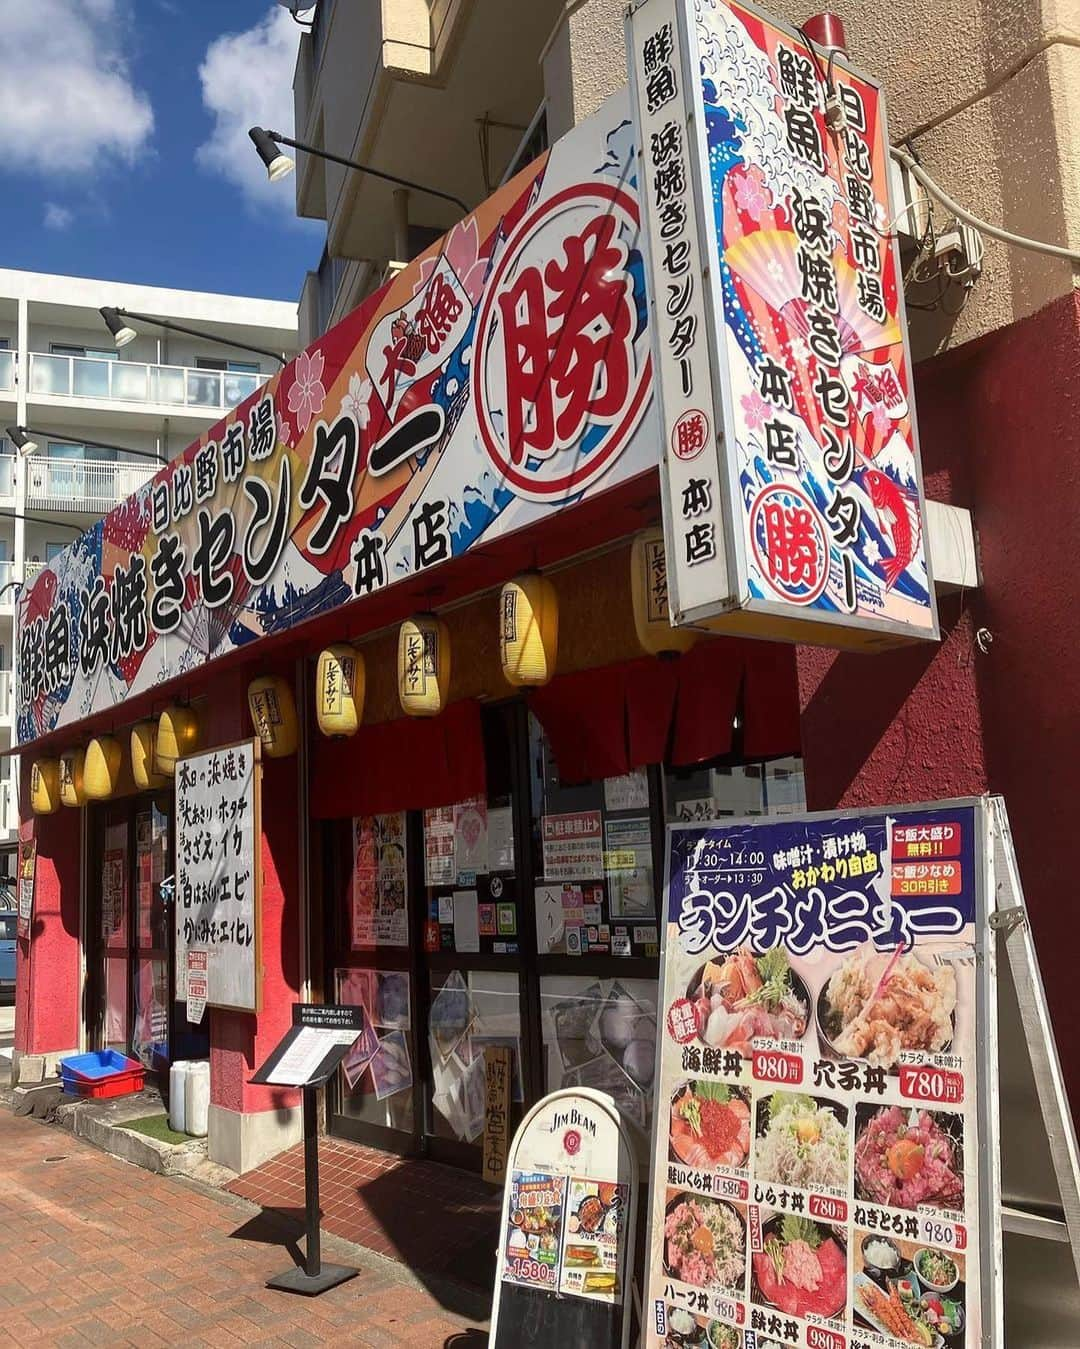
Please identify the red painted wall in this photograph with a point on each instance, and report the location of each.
(47, 1012)
(1000, 427)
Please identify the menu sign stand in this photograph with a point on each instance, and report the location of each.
(862, 1138)
(307, 1057)
(568, 1222)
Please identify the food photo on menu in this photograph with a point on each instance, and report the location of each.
(705, 1243)
(801, 1141)
(911, 1294)
(710, 1126)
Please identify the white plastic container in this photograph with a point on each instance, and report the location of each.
(178, 1077)
(197, 1099)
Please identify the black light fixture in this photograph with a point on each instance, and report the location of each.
(279, 165)
(123, 333)
(22, 437)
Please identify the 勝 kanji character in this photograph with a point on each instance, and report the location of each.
(568, 336)
(206, 471)
(128, 609)
(93, 628)
(210, 561)
(270, 513)
(167, 567)
(367, 557)
(689, 434)
(797, 78)
(330, 476)
(262, 430)
(803, 137)
(792, 544)
(431, 537)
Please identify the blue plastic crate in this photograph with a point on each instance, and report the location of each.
(104, 1072)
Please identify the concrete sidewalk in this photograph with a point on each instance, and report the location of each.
(95, 1251)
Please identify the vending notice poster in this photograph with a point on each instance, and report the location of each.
(27, 874)
(816, 1164)
(378, 886)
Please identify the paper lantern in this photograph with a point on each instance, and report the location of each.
(423, 665)
(45, 786)
(648, 567)
(177, 735)
(72, 766)
(528, 629)
(273, 714)
(101, 769)
(339, 690)
(143, 741)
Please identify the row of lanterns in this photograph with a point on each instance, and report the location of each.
(93, 773)
(528, 648)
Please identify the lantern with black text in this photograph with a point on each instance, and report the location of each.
(143, 743)
(45, 786)
(273, 714)
(423, 665)
(528, 629)
(648, 566)
(72, 768)
(101, 769)
(339, 690)
(177, 735)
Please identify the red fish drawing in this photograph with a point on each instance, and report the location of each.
(898, 517)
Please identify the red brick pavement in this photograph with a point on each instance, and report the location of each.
(432, 1218)
(94, 1251)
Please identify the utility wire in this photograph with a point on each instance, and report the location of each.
(984, 227)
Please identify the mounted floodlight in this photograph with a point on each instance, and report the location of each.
(23, 442)
(122, 332)
(278, 164)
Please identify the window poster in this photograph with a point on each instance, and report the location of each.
(816, 1171)
(470, 840)
(379, 1063)
(573, 848)
(629, 791)
(501, 839)
(379, 900)
(114, 886)
(439, 866)
(628, 867)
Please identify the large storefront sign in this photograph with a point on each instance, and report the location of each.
(826, 1167)
(496, 380)
(793, 490)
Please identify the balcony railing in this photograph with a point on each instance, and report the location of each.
(89, 486)
(136, 382)
(31, 569)
(7, 370)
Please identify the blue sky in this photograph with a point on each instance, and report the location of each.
(126, 154)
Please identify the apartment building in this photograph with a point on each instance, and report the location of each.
(101, 418)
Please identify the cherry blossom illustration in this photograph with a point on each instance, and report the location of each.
(357, 402)
(462, 252)
(307, 395)
(752, 195)
(755, 410)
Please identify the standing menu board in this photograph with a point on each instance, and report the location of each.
(218, 833)
(825, 1163)
(568, 1221)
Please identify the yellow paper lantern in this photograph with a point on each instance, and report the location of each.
(339, 690)
(649, 589)
(273, 714)
(177, 735)
(72, 767)
(528, 629)
(143, 741)
(101, 770)
(423, 665)
(45, 786)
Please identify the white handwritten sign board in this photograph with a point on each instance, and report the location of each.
(218, 829)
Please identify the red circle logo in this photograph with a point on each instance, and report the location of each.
(789, 542)
(690, 434)
(561, 369)
(571, 1142)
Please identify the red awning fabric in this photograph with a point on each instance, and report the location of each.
(680, 711)
(409, 764)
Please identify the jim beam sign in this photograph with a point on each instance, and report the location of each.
(793, 503)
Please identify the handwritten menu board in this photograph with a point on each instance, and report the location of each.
(218, 834)
(816, 1177)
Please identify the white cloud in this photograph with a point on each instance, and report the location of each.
(57, 217)
(68, 100)
(247, 81)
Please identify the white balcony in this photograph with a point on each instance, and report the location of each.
(7, 689)
(7, 370)
(138, 382)
(7, 477)
(90, 487)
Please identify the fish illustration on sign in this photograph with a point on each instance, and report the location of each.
(898, 516)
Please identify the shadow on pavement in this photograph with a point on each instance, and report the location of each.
(276, 1227)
